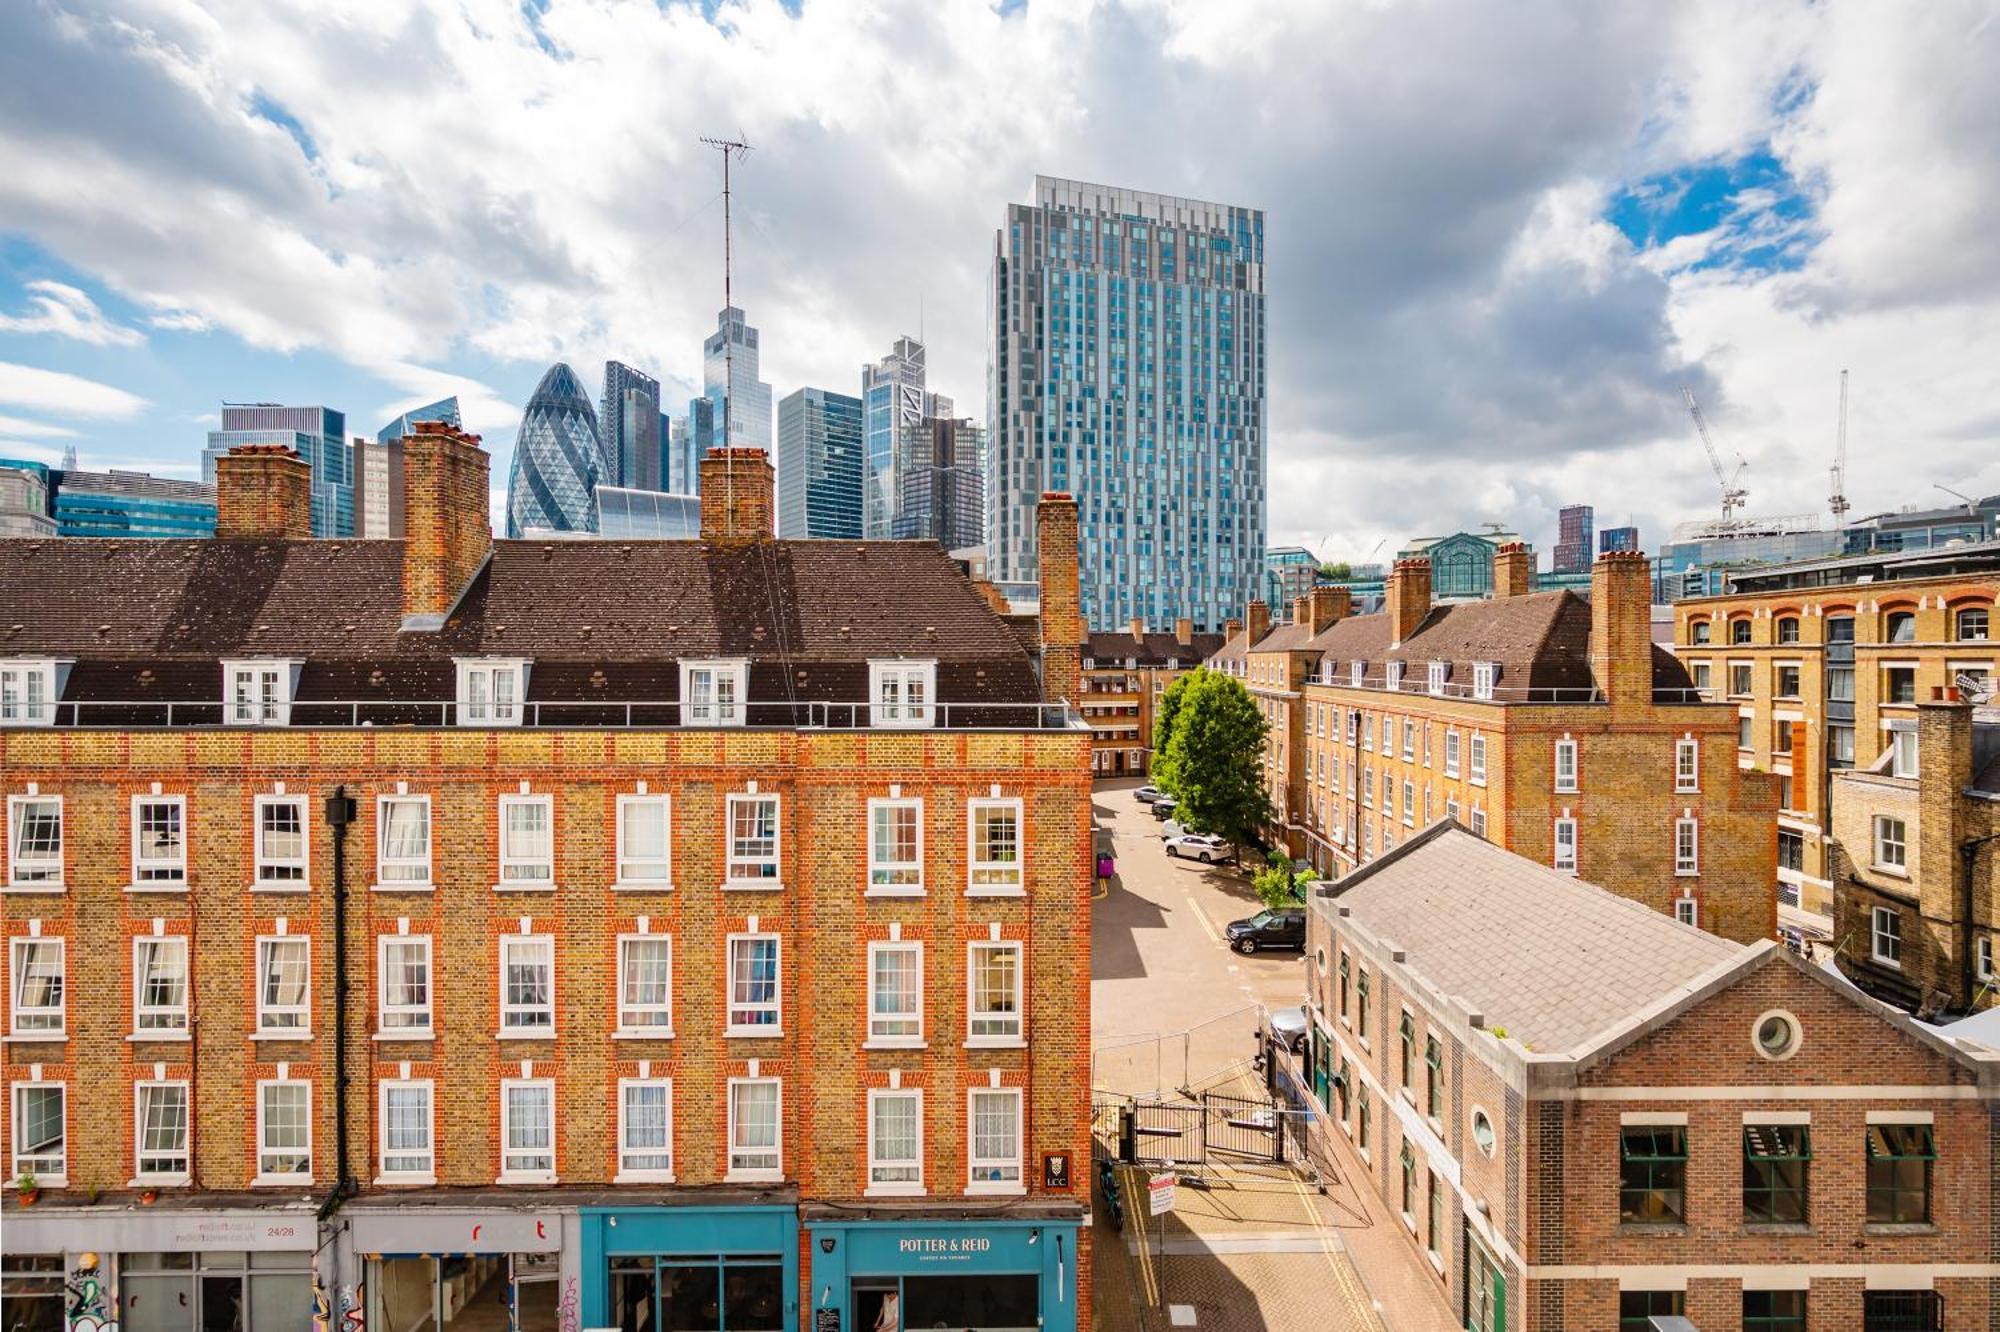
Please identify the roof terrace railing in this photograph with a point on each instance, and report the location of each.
(560, 714)
(1500, 692)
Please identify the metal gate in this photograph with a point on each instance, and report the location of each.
(1196, 1132)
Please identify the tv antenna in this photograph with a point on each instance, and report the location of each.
(729, 148)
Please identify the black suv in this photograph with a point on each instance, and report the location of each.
(1282, 928)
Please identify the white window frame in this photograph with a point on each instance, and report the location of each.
(172, 870)
(261, 864)
(635, 873)
(1564, 857)
(1687, 846)
(383, 1008)
(890, 693)
(1393, 676)
(269, 1015)
(650, 1030)
(890, 1039)
(257, 691)
(1687, 911)
(384, 882)
(1000, 1037)
(529, 1173)
(265, 1151)
(1409, 803)
(1878, 830)
(510, 1026)
(1452, 742)
(141, 1155)
(627, 1172)
(1982, 957)
(1479, 820)
(52, 1020)
(21, 704)
(733, 863)
(527, 873)
(1484, 673)
(176, 1026)
(1687, 766)
(1356, 672)
(37, 1164)
(995, 878)
(481, 699)
(757, 1173)
(428, 1174)
(895, 1188)
(1438, 672)
(1891, 956)
(1902, 748)
(48, 872)
(1566, 754)
(895, 878)
(974, 1164)
(1476, 760)
(721, 707)
(776, 1006)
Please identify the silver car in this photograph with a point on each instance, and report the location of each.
(1205, 847)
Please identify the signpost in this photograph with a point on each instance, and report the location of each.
(1160, 1194)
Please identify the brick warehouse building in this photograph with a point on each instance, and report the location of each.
(1550, 725)
(691, 925)
(1124, 675)
(1586, 1115)
(1824, 663)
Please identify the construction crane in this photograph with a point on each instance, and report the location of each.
(1837, 500)
(1733, 493)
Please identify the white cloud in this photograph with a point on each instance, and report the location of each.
(15, 425)
(65, 312)
(181, 321)
(479, 406)
(65, 395)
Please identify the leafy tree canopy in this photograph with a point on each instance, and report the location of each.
(1209, 762)
(1277, 886)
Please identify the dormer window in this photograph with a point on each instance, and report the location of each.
(1395, 672)
(901, 693)
(1440, 671)
(1483, 675)
(29, 689)
(490, 690)
(1355, 670)
(712, 692)
(258, 693)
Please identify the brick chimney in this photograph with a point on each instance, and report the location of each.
(1513, 570)
(1407, 597)
(736, 495)
(1301, 608)
(1621, 628)
(447, 519)
(1257, 621)
(1330, 605)
(1138, 629)
(1944, 771)
(1230, 628)
(1056, 556)
(263, 492)
(1184, 631)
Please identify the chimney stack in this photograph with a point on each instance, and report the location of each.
(1301, 608)
(1408, 597)
(1621, 628)
(1184, 631)
(1256, 619)
(1513, 570)
(1330, 605)
(1230, 628)
(263, 492)
(1056, 557)
(447, 519)
(1944, 771)
(736, 495)
(1139, 630)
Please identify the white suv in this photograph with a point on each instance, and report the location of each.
(1205, 847)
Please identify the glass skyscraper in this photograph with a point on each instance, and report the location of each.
(940, 483)
(1126, 365)
(892, 397)
(730, 386)
(557, 460)
(819, 465)
(628, 419)
(444, 409)
(319, 434)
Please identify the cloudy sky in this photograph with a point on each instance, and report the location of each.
(1500, 237)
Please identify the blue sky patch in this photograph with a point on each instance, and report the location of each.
(265, 107)
(1759, 215)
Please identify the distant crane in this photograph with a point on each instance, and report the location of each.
(1837, 500)
(1733, 494)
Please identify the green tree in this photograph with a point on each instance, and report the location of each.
(1276, 886)
(1210, 759)
(1339, 573)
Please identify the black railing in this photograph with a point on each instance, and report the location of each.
(562, 714)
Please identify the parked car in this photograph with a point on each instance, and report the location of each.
(1146, 795)
(1288, 1028)
(1205, 847)
(1164, 807)
(1281, 928)
(1171, 829)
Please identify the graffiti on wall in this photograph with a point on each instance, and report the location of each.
(567, 1318)
(322, 1306)
(351, 1317)
(88, 1298)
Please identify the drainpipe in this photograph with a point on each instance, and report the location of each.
(339, 814)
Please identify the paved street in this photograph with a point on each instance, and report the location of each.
(1175, 1009)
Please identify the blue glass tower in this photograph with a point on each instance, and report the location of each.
(444, 409)
(557, 462)
(1126, 366)
(318, 434)
(819, 465)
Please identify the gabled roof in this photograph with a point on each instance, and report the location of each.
(1157, 648)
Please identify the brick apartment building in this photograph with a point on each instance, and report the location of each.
(1552, 726)
(1825, 663)
(1587, 1115)
(1124, 675)
(691, 924)
(1915, 856)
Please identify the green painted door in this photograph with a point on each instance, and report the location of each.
(1485, 1289)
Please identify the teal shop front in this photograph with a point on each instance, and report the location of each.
(885, 1275)
(699, 1269)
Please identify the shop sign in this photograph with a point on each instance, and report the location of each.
(425, 1231)
(164, 1232)
(1055, 1171)
(944, 1248)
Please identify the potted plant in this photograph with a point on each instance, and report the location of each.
(149, 1195)
(29, 1188)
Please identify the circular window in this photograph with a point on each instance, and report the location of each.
(1482, 1131)
(1776, 1035)
(1319, 956)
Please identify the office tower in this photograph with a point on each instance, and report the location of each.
(698, 432)
(319, 434)
(941, 483)
(557, 459)
(1125, 365)
(683, 473)
(24, 499)
(130, 504)
(628, 421)
(1617, 538)
(892, 396)
(378, 481)
(819, 465)
(730, 386)
(444, 409)
(1573, 536)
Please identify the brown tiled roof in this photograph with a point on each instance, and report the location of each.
(1155, 649)
(1288, 637)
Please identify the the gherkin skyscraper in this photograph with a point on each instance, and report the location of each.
(557, 460)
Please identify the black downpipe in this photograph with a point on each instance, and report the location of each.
(339, 814)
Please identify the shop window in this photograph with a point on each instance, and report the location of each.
(1652, 1178)
(1900, 1160)
(259, 1291)
(896, 847)
(514, 1291)
(644, 859)
(981, 1301)
(36, 1295)
(1777, 1159)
